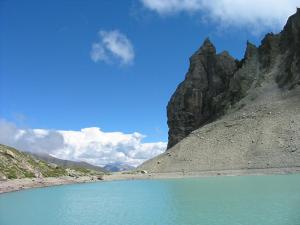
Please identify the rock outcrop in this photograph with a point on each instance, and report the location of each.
(216, 82)
(230, 115)
(200, 97)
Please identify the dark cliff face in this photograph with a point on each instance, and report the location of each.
(199, 97)
(290, 49)
(215, 82)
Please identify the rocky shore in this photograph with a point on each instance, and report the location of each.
(27, 183)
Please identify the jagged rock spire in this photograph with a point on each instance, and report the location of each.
(207, 47)
(198, 98)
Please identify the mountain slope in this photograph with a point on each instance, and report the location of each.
(16, 164)
(230, 114)
(215, 82)
(66, 163)
(117, 167)
(264, 134)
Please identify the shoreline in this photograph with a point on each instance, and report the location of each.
(200, 174)
(28, 183)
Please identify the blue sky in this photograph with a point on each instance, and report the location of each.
(50, 81)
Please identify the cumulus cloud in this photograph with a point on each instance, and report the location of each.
(112, 46)
(254, 14)
(172, 6)
(91, 145)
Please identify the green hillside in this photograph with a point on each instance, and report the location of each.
(16, 164)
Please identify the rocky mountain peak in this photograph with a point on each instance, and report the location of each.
(293, 21)
(207, 47)
(207, 50)
(198, 99)
(251, 49)
(214, 82)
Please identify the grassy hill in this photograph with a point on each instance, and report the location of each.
(16, 164)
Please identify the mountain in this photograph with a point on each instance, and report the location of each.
(16, 164)
(231, 114)
(117, 167)
(66, 163)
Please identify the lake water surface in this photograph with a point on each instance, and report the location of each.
(246, 200)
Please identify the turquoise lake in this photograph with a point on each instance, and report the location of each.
(244, 200)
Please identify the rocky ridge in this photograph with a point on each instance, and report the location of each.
(66, 163)
(229, 114)
(215, 82)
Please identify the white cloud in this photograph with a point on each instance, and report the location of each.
(172, 6)
(254, 14)
(89, 144)
(113, 45)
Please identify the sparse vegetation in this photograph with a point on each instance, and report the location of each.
(15, 164)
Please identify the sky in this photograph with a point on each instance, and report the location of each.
(90, 80)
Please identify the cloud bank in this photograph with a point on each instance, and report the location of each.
(253, 14)
(112, 46)
(91, 145)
